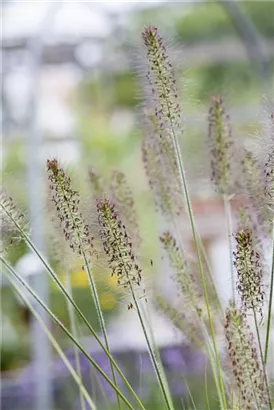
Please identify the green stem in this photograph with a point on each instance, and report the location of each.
(197, 248)
(179, 161)
(151, 351)
(56, 345)
(93, 292)
(69, 334)
(206, 389)
(157, 354)
(75, 335)
(210, 275)
(227, 207)
(246, 358)
(262, 358)
(66, 294)
(268, 327)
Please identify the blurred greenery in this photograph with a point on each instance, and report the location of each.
(109, 133)
(203, 22)
(209, 21)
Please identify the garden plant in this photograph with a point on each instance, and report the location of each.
(236, 339)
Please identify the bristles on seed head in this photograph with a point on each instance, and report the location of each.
(96, 182)
(221, 144)
(161, 80)
(162, 172)
(117, 245)
(269, 169)
(66, 201)
(123, 198)
(244, 359)
(12, 222)
(183, 277)
(247, 262)
(183, 319)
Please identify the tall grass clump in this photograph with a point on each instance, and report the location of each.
(235, 339)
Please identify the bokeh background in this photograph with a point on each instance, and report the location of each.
(71, 90)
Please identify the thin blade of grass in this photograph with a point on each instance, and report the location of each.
(68, 333)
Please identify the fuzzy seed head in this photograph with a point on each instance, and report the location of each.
(123, 198)
(253, 182)
(247, 262)
(220, 142)
(117, 246)
(269, 170)
(66, 201)
(12, 221)
(183, 276)
(162, 172)
(161, 80)
(96, 182)
(183, 319)
(244, 359)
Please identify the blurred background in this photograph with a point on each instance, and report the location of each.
(71, 90)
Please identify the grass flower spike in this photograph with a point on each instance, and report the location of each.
(163, 119)
(77, 233)
(161, 79)
(12, 222)
(96, 182)
(269, 169)
(245, 362)
(118, 246)
(66, 202)
(247, 262)
(220, 143)
(123, 198)
(183, 276)
(163, 181)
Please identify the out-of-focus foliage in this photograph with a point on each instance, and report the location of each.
(15, 350)
(236, 80)
(208, 21)
(109, 137)
(261, 13)
(204, 22)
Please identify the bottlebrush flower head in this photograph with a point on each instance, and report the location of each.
(244, 359)
(253, 181)
(123, 198)
(220, 145)
(254, 187)
(183, 319)
(247, 262)
(118, 246)
(163, 181)
(66, 201)
(164, 94)
(269, 168)
(12, 222)
(163, 120)
(96, 182)
(185, 280)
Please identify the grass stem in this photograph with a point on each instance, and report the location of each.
(228, 216)
(270, 302)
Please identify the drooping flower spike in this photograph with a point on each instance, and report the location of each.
(12, 222)
(66, 201)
